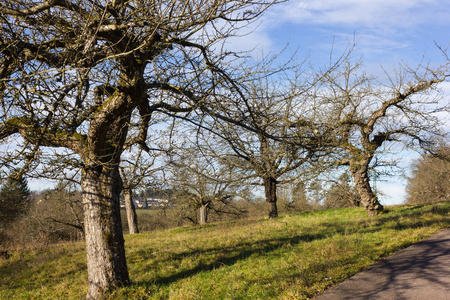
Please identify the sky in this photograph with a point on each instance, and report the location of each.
(386, 33)
(386, 30)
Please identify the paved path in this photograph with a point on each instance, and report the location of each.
(421, 271)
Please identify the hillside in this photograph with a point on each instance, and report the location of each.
(293, 257)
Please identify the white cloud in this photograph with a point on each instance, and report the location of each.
(387, 31)
(380, 14)
(370, 44)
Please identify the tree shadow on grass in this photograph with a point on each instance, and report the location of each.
(396, 221)
(401, 219)
(227, 256)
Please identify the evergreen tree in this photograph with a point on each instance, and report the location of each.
(13, 199)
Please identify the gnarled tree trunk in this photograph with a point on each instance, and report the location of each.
(131, 211)
(270, 189)
(101, 187)
(106, 262)
(362, 183)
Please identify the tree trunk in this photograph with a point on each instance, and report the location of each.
(106, 262)
(131, 211)
(270, 188)
(203, 214)
(368, 198)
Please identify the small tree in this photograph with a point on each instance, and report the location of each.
(293, 197)
(299, 197)
(204, 186)
(341, 193)
(62, 205)
(430, 180)
(316, 193)
(136, 168)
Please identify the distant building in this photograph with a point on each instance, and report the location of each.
(157, 202)
(149, 203)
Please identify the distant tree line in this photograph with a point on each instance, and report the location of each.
(430, 177)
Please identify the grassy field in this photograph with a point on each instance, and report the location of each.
(293, 257)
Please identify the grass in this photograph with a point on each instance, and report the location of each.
(295, 256)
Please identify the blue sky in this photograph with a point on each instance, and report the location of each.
(387, 32)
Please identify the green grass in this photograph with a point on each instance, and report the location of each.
(294, 257)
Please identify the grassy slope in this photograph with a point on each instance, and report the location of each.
(293, 257)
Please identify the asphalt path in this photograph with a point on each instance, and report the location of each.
(421, 271)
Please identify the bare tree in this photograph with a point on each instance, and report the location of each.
(136, 168)
(72, 73)
(66, 209)
(293, 197)
(430, 180)
(204, 184)
(369, 113)
(284, 141)
(341, 193)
